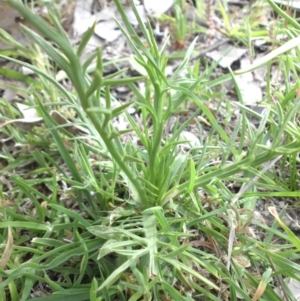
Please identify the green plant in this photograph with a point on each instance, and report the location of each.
(140, 211)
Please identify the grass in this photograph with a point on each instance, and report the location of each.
(96, 216)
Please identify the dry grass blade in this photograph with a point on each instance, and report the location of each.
(8, 249)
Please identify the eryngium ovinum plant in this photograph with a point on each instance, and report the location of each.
(147, 232)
